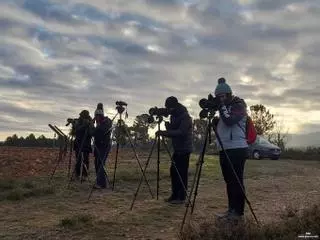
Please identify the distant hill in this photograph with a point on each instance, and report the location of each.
(304, 140)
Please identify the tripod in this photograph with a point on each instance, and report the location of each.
(197, 176)
(63, 146)
(82, 165)
(157, 141)
(121, 125)
(101, 162)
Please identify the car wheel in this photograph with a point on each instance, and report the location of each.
(256, 155)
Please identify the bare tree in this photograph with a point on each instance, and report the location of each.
(280, 135)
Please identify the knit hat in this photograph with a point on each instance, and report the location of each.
(171, 102)
(84, 114)
(99, 110)
(222, 87)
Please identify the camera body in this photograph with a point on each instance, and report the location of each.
(72, 121)
(120, 106)
(209, 106)
(121, 103)
(159, 113)
(155, 111)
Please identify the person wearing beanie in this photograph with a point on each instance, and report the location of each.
(99, 112)
(179, 129)
(102, 147)
(231, 127)
(82, 143)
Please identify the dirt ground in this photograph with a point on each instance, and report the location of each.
(31, 208)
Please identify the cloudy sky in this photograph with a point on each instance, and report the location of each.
(58, 57)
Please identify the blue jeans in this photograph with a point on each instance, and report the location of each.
(101, 155)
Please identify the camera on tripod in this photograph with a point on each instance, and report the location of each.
(209, 106)
(159, 113)
(72, 121)
(120, 106)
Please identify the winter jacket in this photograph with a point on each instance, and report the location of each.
(102, 134)
(83, 132)
(180, 130)
(232, 124)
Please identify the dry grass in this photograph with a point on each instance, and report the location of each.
(290, 227)
(43, 211)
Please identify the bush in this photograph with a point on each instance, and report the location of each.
(291, 225)
(309, 153)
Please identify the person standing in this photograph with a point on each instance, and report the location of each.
(82, 144)
(179, 129)
(102, 147)
(231, 127)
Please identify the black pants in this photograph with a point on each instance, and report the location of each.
(236, 199)
(85, 167)
(179, 185)
(101, 155)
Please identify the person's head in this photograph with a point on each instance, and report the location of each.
(84, 114)
(223, 91)
(171, 103)
(99, 116)
(100, 106)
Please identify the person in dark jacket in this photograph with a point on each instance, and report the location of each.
(231, 127)
(102, 147)
(82, 144)
(180, 131)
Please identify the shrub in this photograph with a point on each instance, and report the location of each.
(291, 225)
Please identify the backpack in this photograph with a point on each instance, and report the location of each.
(251, 132)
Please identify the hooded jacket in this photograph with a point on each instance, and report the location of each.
(180, 130)
(102, 134)
(83, 131)
(232, 124)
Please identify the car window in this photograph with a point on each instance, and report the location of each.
(263, 141)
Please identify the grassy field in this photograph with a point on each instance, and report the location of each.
(31, 208)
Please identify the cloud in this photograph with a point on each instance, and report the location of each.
(59, 57)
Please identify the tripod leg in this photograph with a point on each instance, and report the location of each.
(141, 179)
(70, 156)
(178, 173)
(115, 167)
(81, 167)
(137, 158)
(78, 155)
(236, 176)
(158, 164)
(100, 167)
(59, 158)
(196, 179)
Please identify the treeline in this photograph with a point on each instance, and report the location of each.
(264, 122)
(31, 141)
(139, 134)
